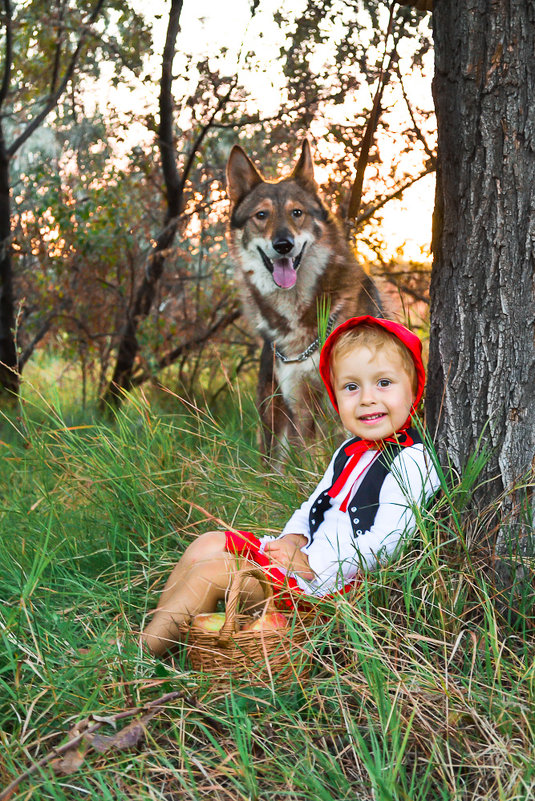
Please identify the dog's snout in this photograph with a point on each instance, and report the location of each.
(283, 245)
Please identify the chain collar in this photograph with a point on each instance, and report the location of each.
(312, 348)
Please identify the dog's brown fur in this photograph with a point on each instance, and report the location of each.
(289, 253)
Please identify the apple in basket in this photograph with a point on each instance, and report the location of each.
(208, 622)
(268, 622)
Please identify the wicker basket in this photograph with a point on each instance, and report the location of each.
(255, 655)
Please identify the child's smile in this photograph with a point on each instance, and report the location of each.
(373, 391)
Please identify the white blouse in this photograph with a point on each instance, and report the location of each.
(335, 555)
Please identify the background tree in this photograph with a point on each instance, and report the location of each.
(89, 207)
(482, 349)
(175, 187)
(46, 48)
(217, 106)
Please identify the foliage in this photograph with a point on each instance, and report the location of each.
(88, 208)
(420, 689)
(45, 36)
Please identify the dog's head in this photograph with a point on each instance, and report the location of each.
(276, 221)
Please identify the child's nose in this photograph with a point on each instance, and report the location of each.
(367, 395)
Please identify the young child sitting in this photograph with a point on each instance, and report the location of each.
(363, 505)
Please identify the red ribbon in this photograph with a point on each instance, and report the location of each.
(355, 450)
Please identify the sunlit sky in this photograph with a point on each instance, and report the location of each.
(207, 26)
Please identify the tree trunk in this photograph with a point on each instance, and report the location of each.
(9, 366)
(121, 380)
(9, 378)
(482, 348)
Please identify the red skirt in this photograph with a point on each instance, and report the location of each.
(287, 592)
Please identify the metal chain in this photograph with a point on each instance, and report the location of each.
(308, 351)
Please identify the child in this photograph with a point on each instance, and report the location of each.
(363, 505)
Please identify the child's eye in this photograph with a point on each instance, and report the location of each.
(351, 387)
(385, 382)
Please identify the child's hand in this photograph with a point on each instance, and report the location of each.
(286, 552)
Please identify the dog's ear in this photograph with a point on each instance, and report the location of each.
(304, 169)
(242, 175)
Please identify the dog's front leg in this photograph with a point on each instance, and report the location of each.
(275, 415)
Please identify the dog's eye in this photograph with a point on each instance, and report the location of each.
(297, 212)
(261, 215)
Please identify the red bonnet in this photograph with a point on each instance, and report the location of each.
(410, 340)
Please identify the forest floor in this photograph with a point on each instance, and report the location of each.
(422, 687)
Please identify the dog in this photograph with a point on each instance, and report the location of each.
(290, 255)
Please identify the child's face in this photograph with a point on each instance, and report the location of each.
(373, 391)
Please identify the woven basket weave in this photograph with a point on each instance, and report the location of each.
(256, 655)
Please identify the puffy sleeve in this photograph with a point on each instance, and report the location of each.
(337, 556)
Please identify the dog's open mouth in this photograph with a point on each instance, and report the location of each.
(284, 269)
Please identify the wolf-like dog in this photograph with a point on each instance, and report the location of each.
(289, 253)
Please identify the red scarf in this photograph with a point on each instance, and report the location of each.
(355, 451)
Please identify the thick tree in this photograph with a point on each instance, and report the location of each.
(482, 348)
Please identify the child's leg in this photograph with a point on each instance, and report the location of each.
(198, 581)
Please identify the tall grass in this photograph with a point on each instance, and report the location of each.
(420, 688)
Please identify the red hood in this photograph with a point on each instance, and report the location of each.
(409, 339)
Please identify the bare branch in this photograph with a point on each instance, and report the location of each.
(384, 74)
(57, 55)
(86, 728)
(416, 127)
(394, 195)
(200, 138)
(190, 344)
(165, 132)
(391, 279)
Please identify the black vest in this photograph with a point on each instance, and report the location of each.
(363, 506)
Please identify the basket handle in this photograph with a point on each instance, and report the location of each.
(228, 627)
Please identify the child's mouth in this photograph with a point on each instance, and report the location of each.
(372, 418)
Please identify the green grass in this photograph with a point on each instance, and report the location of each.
(421, 689)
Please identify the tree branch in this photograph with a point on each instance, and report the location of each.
(53, 99)
(391, 279)
(57, 55)
(190, 344)
(165, 131)
(394, 195)
(85, 728)
(200, 138)
(384, 74)
(415, 125)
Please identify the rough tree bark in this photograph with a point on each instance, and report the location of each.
(9, 378)
(482, 349)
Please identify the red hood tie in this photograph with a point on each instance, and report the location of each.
(355, 450)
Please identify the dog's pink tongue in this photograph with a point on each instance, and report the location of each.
(284, 274)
